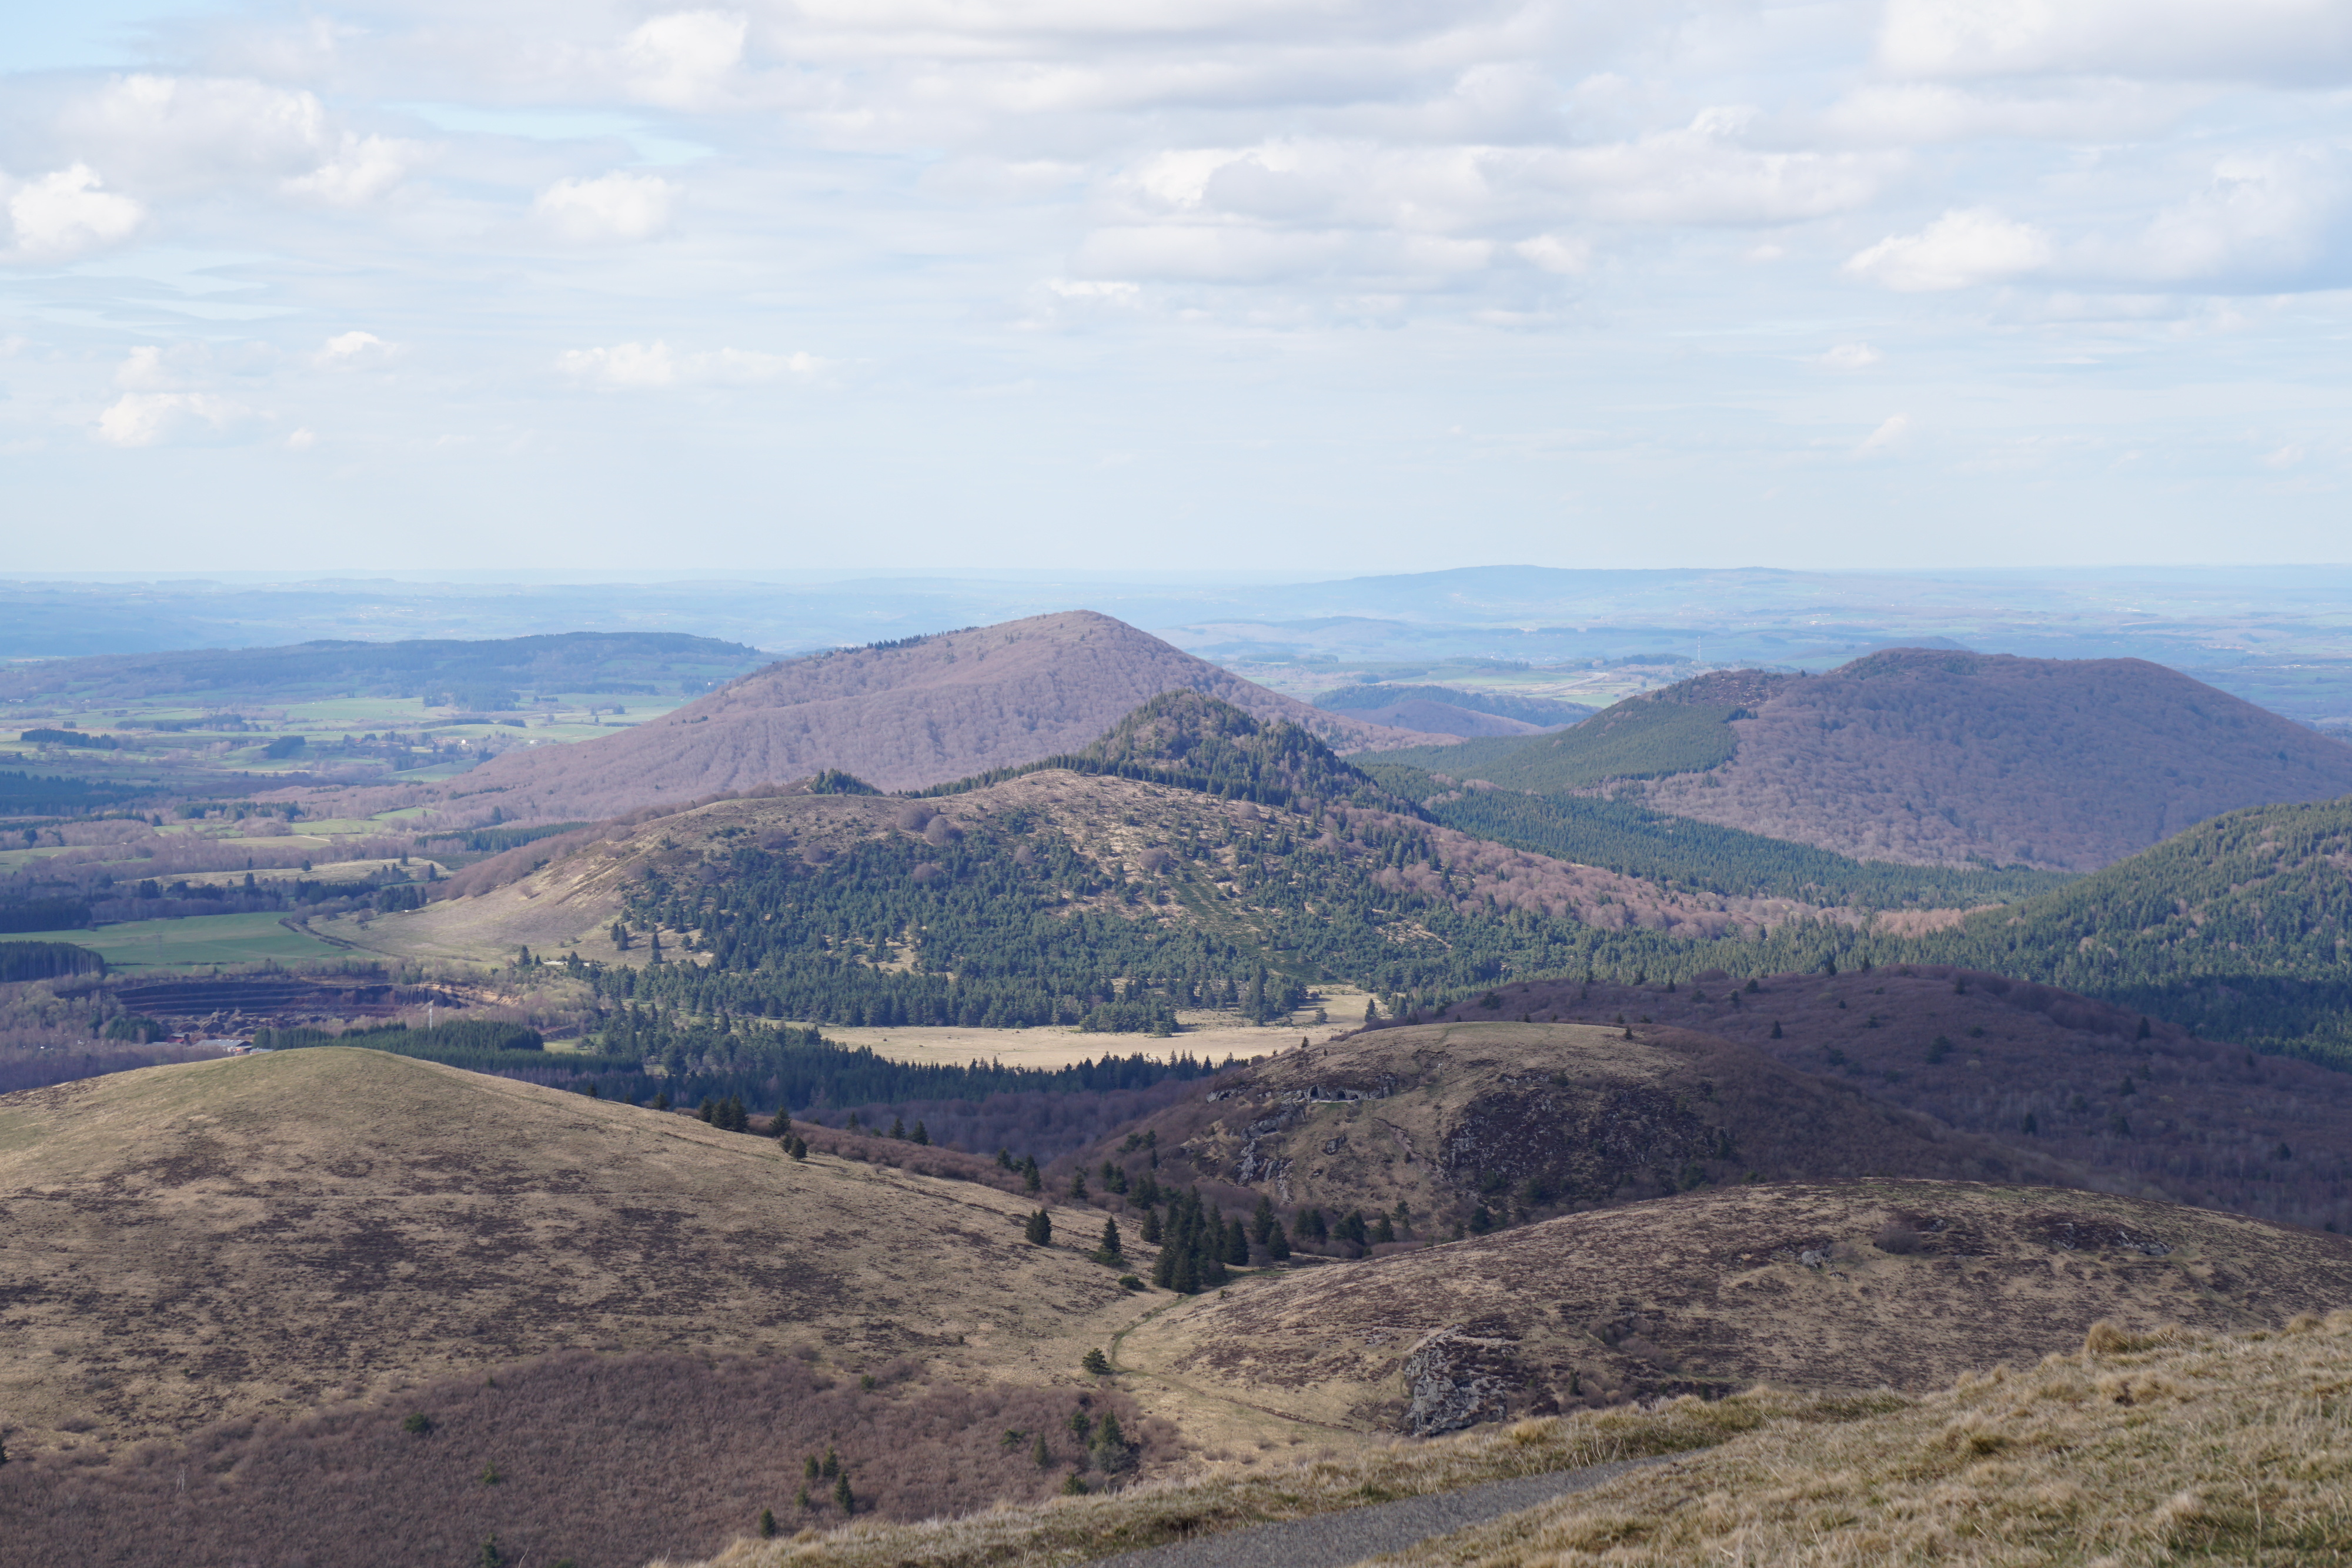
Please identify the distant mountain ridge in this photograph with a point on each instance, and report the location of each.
(900, 716)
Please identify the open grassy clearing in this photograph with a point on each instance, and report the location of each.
(198, 940)
(2165, 1447)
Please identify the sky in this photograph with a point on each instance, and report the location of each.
(1291, 286)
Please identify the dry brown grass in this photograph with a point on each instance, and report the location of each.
(263, 1235)
(1228, 1496)
(2165, 1447)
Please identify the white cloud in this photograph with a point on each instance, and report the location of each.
(2297, 41)
(2279, 219)
(1911, 113)
(1852, 357)
(1891, 434)
(1959, 250)
(1106, 291)
(637, 367)
(62, 215)
(1703, 174)
(349, 349)
(362, 169)
(682, 60)
(177, 134)
(301, 440)
(148, 419)
(619, 206)
(1554, 253)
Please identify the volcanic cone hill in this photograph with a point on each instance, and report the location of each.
(263, 1233)
(1846, 1285)
(900, 716)
(1936, 757)
(1193, 850)
(1430, 1122)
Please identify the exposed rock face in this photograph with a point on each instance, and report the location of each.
(1455, 1379)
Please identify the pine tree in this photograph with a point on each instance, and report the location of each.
(898, 1129)
(1042, 1454)
(1109, 1252)
(810, 1468)
(800, 1148)
(1003, 1159)
(1383, 1231)
(843, 1495)
(1152, 1229)
(1096, 1364)
(1030, 1180)
(1278, 1246)
(491, 1556)
(1040, 1228)
(1262, 1223)
(832, 1466)
(1237, 1245)
(767, 1524)
(922, 1135)
(1079, 1187)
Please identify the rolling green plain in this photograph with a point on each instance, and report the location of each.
(181, 944)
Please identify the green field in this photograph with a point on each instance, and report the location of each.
(182, 943)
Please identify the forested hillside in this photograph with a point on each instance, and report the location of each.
(1695, 856)
(2240, 928)
(1211, 861)
(1201, 743)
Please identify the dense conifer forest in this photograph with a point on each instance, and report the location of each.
(1697, 856)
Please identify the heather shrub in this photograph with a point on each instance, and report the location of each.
(608, 1460)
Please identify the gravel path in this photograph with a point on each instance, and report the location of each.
(1338, 1539)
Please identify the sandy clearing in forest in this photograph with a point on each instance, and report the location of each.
(1215, 1037)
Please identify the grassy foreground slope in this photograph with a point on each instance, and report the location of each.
(265, 1234)
(2165, 1447)
(2161, 1448)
